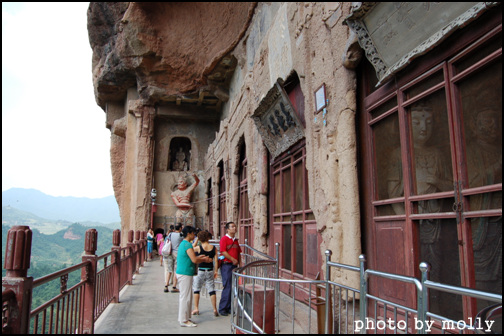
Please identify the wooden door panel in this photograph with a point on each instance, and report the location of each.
(391, 252)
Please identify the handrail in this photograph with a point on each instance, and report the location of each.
(106, 255)
(420, 312)
(254, 264)
(74, 309)
(464, 291)
(53, 276)
(55, 299)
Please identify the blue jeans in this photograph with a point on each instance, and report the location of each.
(226, 274)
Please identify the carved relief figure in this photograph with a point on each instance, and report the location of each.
(182, 198)
(180, 163)
(432, 174)
(484, 162)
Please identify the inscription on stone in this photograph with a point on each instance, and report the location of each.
(277, 122)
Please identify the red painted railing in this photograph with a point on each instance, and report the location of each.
(75, 309)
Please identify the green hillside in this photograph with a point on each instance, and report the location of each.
(51, 253)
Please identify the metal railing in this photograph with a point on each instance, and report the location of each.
(256, 294)
(61, 314)
(254, 277)
(344, 309)
(94, 284)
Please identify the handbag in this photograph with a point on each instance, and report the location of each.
(167, 248)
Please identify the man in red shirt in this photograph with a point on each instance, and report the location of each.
(230, 249)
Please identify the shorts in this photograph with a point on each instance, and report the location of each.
(170, 263)
(206, 277)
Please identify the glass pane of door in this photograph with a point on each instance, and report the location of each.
(287, 188)
(439, 247)
(481, 96)
(298, 185)
(299, 248)
(487, 252)
(480, 99)
(389, 182)
(287, 247)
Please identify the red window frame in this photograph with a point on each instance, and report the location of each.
(222, 201)
(385, 230)
(245, 218)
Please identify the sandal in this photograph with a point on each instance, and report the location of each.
(166, 289)
(215, 313)
(195, 312)
(175, 290)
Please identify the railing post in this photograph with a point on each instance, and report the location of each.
(137, 251)
(328, 307)
(116, 248)
(143, 254)
(17, 262)
(277, 288)
(89, 275)
(423, 302)
(363, 291)
(131, 247)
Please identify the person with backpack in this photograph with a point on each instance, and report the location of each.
(166, 254)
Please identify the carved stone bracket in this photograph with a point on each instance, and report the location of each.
(63, 283)
(392, 34)
(277, 122)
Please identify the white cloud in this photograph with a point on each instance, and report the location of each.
(53, 134)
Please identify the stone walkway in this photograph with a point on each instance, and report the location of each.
(145, 309)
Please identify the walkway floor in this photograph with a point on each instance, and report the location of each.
(145, 309)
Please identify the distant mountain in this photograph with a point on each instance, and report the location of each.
(72, 209)
(12, 216)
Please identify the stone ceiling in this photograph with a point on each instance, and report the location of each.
(174, 53)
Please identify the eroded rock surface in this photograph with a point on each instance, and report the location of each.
(164, 49)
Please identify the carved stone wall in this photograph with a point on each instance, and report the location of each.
(313, 43)
(168, 54)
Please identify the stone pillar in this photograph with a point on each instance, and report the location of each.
(132, 143)
(16, 281)
(88, 274)
(138, 163)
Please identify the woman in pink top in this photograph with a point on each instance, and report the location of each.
(160, 243)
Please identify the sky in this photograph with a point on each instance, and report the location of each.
(54, 137)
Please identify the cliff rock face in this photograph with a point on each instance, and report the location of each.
(195, 73)
(164, 49)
